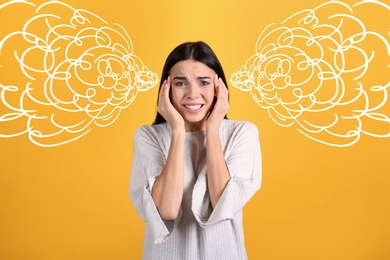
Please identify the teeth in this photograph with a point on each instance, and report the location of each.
(194, 107)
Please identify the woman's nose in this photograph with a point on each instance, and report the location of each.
(193, 91)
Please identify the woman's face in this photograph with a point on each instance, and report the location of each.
(192, 92)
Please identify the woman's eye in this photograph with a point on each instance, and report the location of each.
(179, 83)
(204, 83)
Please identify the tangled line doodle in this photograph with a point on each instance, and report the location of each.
(324, 71)
(76, 71)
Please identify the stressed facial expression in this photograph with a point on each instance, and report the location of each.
(192, 92)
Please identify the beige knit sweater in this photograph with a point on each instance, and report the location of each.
(199, 232)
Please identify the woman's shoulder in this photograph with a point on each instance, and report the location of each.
(239, 132)
(156, 127)
(236, 125)
(152, 130)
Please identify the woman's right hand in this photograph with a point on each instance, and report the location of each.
(166, 109)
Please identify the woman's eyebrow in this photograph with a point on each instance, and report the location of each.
(198, 78)
(180, 78)
(204, 77)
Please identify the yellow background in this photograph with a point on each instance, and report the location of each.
(316, 202)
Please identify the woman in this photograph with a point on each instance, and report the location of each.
(193, 169)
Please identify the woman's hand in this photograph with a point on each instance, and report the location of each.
(217, 173)
(166, 109)
(221, 106)
(168, 189)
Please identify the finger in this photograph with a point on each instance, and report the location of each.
(221, 83)
(223, 95)
(168, 83)
(164, 95)
(160, 94)
(216, 84)
(167, 90)
(222, 89)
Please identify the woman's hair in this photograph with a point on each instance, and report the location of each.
(197, 51)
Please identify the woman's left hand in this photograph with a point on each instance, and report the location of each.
(221, 105)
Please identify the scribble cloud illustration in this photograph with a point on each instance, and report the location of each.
(64, 72)
(325, 71)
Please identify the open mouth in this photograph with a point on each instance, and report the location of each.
(193, 107)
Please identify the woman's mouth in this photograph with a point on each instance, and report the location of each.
(193, 107)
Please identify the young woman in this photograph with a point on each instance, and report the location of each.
(193, 170)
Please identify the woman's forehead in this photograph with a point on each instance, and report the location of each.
(191, 68)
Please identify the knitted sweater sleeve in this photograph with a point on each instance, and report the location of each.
(147, 164)
(243, 159)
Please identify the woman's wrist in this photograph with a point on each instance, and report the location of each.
(178, 130)
(212, 133)
(212, 128)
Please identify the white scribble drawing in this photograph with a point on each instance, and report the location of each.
(75, 72)
(325, 71)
